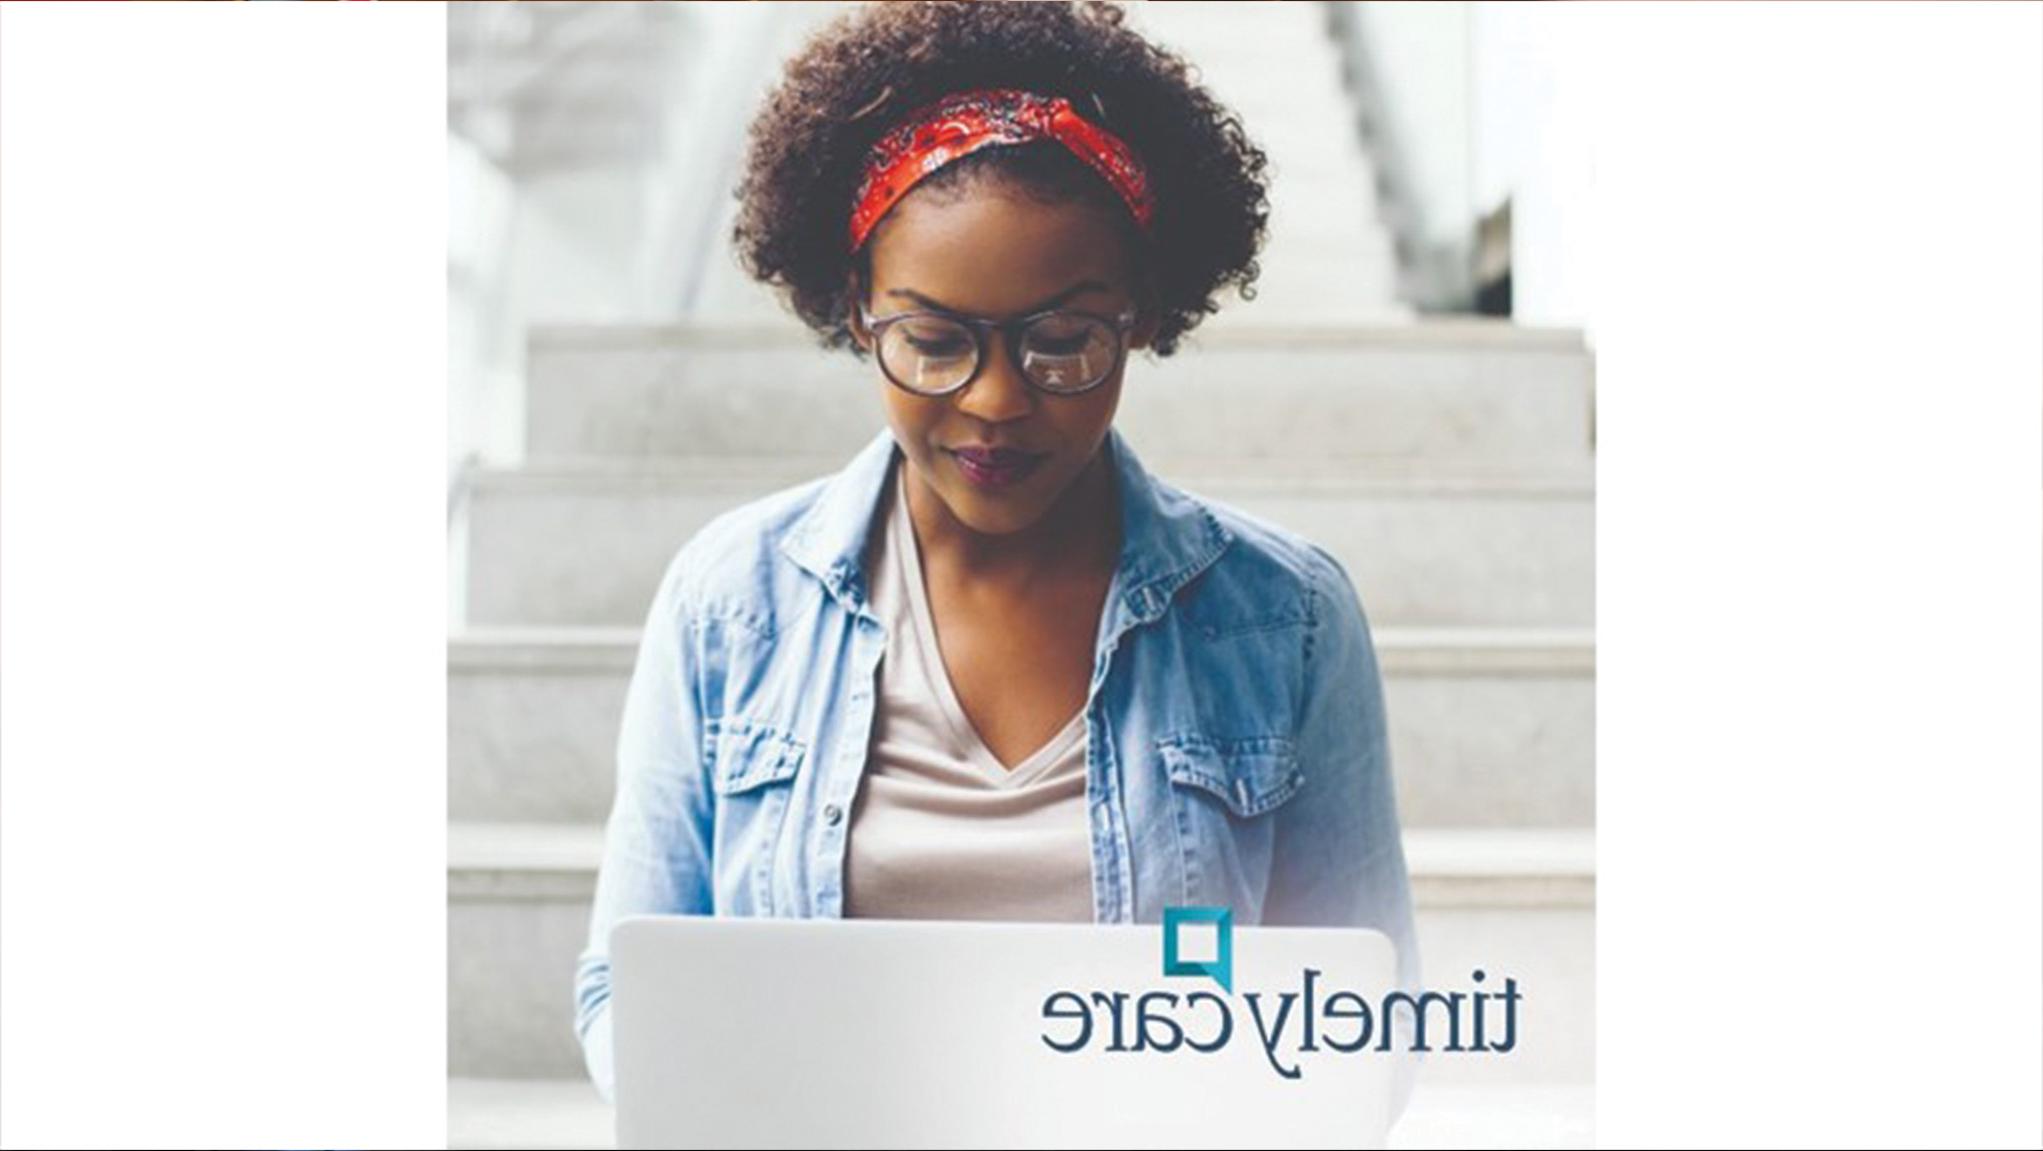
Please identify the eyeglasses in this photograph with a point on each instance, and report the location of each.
(1059, 351)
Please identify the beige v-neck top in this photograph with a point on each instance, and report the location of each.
(941, 829)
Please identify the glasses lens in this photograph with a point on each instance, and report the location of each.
(928, 353)
(1068, 353)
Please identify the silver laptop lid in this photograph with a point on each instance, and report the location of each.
(875, 1033)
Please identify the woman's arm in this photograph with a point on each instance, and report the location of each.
(1339, 856)
(656, 842)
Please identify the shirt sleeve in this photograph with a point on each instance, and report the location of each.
(656, 840)
(1339, 856)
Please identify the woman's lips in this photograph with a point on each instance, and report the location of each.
(996, 468)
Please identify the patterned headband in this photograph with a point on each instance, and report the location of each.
(964, 122)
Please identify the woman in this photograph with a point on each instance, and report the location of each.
(994, 668)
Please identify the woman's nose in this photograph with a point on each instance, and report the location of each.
(999, 393)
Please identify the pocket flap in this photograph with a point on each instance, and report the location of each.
(744, 754)
(1250, 776)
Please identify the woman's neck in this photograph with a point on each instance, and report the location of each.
(1079, 534)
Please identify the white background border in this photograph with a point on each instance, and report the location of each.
(222, 363)
(1818, 290)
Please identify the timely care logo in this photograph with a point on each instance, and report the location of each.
(1198, 942)
(1221, 967)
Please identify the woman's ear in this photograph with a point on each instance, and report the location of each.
(1148, 314)
(854, 300)
(1147, 321)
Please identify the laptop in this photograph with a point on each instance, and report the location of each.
(735, 1032)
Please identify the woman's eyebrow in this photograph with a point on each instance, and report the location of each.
(1078, 289)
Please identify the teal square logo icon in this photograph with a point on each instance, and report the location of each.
(1216, 963)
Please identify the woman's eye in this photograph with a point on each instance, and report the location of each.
(938, 348)
(1069, 346)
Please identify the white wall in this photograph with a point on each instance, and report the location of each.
(481, 201)
(1532, 104)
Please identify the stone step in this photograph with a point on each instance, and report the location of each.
(1243, 28)
(1328, 198)
(567, 546)
(1513, 903)
(1276, 33)
(1340, 226)
(1305, 279)
(568, 1115)
(1260, 75)
(1301, 165)
(1307, 253)
(1241, 314)
(533, 715)
(1444, 391)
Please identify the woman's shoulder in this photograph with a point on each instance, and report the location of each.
(1267, 573)
(1267, 553)
(1296, 593)
(731, 566)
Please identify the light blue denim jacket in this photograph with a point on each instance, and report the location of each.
(1237, 752)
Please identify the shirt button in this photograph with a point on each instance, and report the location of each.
(832, 814)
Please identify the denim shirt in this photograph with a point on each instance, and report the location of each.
(1237, 752)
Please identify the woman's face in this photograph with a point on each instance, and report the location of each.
(996, 253)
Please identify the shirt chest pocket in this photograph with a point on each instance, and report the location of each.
(1225, 794)
(1247, 777)
(752, 767)
(746, 754)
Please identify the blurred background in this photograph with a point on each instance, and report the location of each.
(1412, 386)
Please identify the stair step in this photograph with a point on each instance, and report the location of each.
(563, 1114)
(1514, 903)
(563, 545)
(1441, 391)
(567, 1114)
(533, 715)
(1450, 867)
(1476, 1118)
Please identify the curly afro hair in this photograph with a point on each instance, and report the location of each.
(853, 80)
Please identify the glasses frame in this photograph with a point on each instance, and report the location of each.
(1013, 329)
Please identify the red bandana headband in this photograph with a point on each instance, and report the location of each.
(964, 122)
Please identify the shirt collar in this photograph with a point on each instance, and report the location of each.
(1167, 536)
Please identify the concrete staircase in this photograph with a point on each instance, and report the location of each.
(549, 1114)
(1449, 464)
